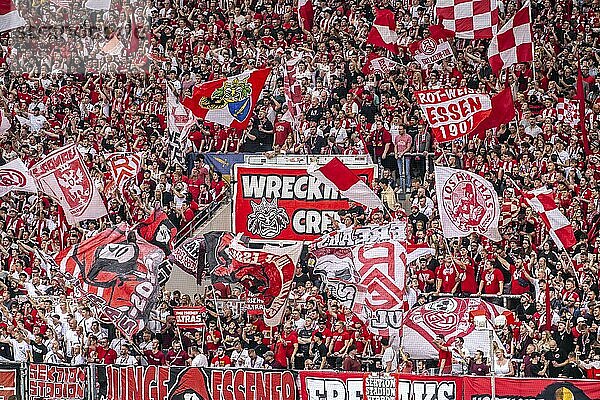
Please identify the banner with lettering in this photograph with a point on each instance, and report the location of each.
(479, 388)
(273, 203)
(189, 317)
(164, 383)
(53, 382)
(331, 385)
(453, 113)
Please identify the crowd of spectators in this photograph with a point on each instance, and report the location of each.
(60, 85)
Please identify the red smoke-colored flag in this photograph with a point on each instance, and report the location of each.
(228, 101)
(542, 201)
(474, 19)
(503, 111)
(582, 115)
(158, 230)
(116, 273)
(338, 176)
(513, 43)
(268, 273)
(9, 16)
(64, 176)
(383, 33)
(306, 14)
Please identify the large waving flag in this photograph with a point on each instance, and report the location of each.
(467, 203)
(513, 43)
(63, 176)
(15, 176)
(228, 101)
(124, 167)
(471, 19)
(336, 175)
(306, 14)
(9, 16)
(383, 33)
(98, 4)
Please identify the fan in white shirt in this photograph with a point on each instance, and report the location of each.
(125, 358)
(198, 359)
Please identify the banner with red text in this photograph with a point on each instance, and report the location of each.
(479, 388)
(164, 383)
(53, 382)
(189, 317)
(285, 203)
(453, 113)
(331, 385)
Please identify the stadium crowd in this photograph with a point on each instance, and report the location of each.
(58, 86)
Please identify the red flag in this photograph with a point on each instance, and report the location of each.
(9, 16)
(469, 19)
(503, 111)
(439, 32)
(116, 273)
(513, 43)
(228, 101)
(306, 14)
(134, 40)
(158, 230)
(383, 33)
(581, 97)
(336, 175)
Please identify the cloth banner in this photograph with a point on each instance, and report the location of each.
(14, 175)
(179, 383)
(124, 167)
(63, 175)
(116, 272)
(293, 89)
(430, 51)
(467, 203)
(367, 234)
(190, 256)
(8, 382)
(479, 388)
(448, 316)
(284, 203)
(189, 317)
(158, 230)
(52, 382)
(453, 113)
(224, 162)
(180, 121)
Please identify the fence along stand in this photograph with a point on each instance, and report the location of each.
(24, 371)
(92, 391)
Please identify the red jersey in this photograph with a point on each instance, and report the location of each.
(491, 280)
(157, 358)
(339, 340)
(448, 275)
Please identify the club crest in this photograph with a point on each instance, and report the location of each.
(235, 94)
(267, 219)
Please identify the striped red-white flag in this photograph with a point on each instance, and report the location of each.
(383, 33)
(9, 16)
(513, 43)
(542, 201)
(338, 176)
(306, 14)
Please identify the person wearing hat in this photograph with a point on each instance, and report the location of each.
(270, 362)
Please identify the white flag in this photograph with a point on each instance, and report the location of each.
(63, 176)
(15, 176)
(98, 4)
(467, 203)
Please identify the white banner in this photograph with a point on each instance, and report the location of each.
(15, 176)
(429, 51)
(467, 204)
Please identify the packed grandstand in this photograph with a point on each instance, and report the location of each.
(299, 199)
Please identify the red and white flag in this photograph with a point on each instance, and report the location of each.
(452, 113)
(567, 112)
(180, 121)
(268, 273)
(63, 176)
(379, 65)
(98, 4)
(513, 43)
(416, 251)
(9, 16)
(14, 176)
(467, 204)
(228, 101)
(292, 90)
(542, 201)
(134, 39)
(113, 47)
(474, 19)
(503, 111)
(306, 14)
(338, 176)
(383, 33)
(123, 167)
(430, 50)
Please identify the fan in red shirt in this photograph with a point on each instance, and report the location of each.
(446, 276)
(341, 339)
(290, 343)
(425, 276)
(212, 337)
(492, 281)
(105, 354)
(444, 355)
(155, 356)
(520, 280)
(221, 359)
(176, 355)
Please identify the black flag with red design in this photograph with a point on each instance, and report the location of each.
(158, 230)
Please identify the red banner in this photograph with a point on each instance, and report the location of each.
(285, 203)
(8, 383)
(164, 383)
(52, 382)
(452, 113)
(189, 317)
(479, 388)
(330, 385)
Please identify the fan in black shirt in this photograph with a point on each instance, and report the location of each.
(38, 349)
